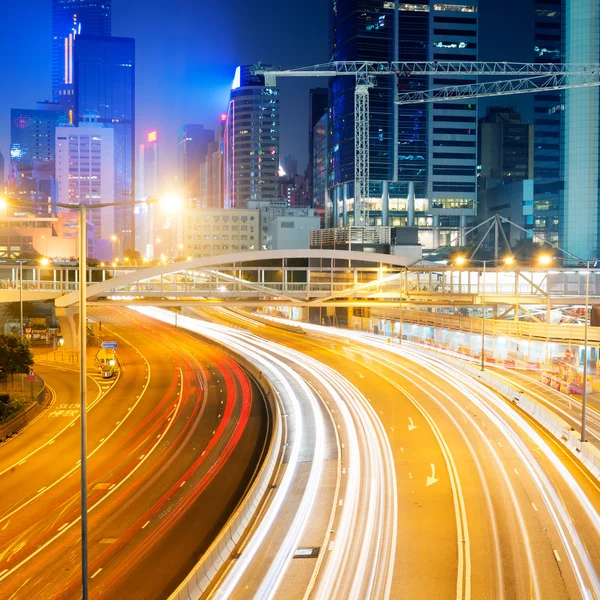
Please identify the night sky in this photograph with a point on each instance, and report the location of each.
(187, 51)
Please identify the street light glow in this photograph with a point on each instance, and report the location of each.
(509, 260)
(460, 261)
(545, 260)
(44, 262)
(171, 203)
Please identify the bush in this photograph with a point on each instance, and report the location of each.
(4, 398)
(8, 410)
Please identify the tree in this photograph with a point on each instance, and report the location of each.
(135, 258)
(15, 355)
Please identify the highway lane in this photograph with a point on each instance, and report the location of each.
(353, 530)
(182, 432)
(526, 528)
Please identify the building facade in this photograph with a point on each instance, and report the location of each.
(422, 159)
(105, 86)
(319, 183)
(71, 18)
(251, 150)
(85, 172)
(505, 148)
(548, 123)
(210, 232)
(318, 106)
(192, 149)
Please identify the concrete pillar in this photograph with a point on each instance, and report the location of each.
(336, 206)
(436, 231)
(385, 204)
(411, 203)
(463, 228)
(345, 205)
(328, 217)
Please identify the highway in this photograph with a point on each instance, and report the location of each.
(489, 505)
(172, 447)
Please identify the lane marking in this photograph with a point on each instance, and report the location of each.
(534, 506)
(517, 472)
(499, 444)
(96, 573)
(411, 424)
(182, 484)
(431, 480)
(41, 490)
(557, 556)
(145, 524)
(62, 526)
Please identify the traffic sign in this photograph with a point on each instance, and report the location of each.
(109, 344)
(31, 376)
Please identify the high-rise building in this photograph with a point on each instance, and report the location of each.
(192, 149)
(251, 152)
(85, 174)
(105, 86)
(317, 107)
(2, 177)
(505, 148)
(422, 158)
(319, 169)
(548, 119)
(32, 136)
(71, 18)
(580, 215)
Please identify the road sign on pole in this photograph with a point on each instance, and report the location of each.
(31, 376)
(109, 344)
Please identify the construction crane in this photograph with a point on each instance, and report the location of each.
(532, 77)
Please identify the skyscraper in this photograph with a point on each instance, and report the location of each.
(85, 174)
(2, 176)
(71, 18)
(548, 119)
(317, 107)
(105, 86)
(422, 158)
(251, 153)
(192, 150)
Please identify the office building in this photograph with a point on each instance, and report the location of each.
(422, 158)
(192, 149)
(251, 151)
(317, 107)
(105, 86)
(32, 139)
(319, 171)
(210, 193)
(548, 123)
(210, 232)
(580, 215)
(71, 18)
(85, 174)
(147, 184)
(283, 227)
(505, 148)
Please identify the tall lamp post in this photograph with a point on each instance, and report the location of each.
(462, 261)
(82, 210)
(585, 357)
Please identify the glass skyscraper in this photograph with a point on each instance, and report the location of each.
(422, 159)
(548, 122)
(71, 18)
(105, 86)
(251, 156)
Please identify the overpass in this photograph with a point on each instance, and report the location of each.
(304, 278)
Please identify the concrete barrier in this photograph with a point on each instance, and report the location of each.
(271, 322)
(586, 453)
(202, 575)
(22, 419)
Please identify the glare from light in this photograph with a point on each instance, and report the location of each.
(460, 261)
(180, 246)
(545, 260)
(113, 238)
(222, 288)
(509, 261)
(114, 264)
(44, 262)
(189, 258)
(171, 204)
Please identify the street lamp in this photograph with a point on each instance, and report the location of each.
(545, 260)
(82, 210)
(585, 358)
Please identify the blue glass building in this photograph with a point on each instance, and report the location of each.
(105, 85)
(71, 18)
(422, 157)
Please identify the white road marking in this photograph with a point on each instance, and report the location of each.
(499, 444)
(41, 490)
(182, 484)
(2, 572)
(517, 472)
(360, 375)
(556, 554)
(145, 524)
(534, 506)
(411, 424)
(410, 475)
(96, 573)
(62, 526)
(22, 462)
(141, 457)
(330, 547)
(340, 502)
(431, 480)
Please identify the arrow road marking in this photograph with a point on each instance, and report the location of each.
(431, 480)
(411, 424)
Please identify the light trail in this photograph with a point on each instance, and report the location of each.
(361, 560)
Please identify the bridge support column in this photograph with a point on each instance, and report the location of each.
(436, 231)
(68, 327)
(463, 228)
(385, 204)
(411, 204)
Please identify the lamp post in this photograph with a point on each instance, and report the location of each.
(82, 210)
(585, 345)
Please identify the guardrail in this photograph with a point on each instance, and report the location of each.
(14, 425)
(202, 575)
(586, 453)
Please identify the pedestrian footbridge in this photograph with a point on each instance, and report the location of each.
(302, 278)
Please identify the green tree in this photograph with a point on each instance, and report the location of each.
(15, 355)
(135, 258)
